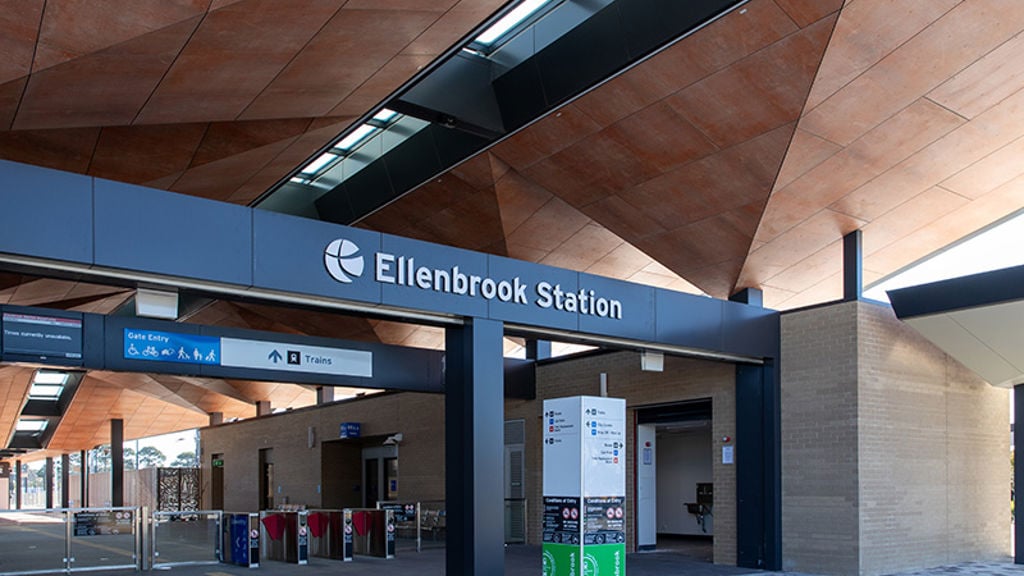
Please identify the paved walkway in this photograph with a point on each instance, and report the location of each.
(525, 561)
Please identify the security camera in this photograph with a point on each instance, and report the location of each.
(393, 439)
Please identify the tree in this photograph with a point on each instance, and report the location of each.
(150, 457)
(185, 460)
(129, 458)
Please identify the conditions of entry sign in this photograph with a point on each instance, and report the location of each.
(584, 486)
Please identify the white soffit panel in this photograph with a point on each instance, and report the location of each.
(1000, 327)
(970, 350)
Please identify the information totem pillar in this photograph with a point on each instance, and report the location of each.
(584, 487)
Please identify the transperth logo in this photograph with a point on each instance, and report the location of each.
(342, 259)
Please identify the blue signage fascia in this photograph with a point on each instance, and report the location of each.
(544, 299)
(171, 234)
(290, 253)
(445, 271)
(636, 302)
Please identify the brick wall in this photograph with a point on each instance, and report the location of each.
(934, 453)
(819, 440)
(894, 455)
(297, 467)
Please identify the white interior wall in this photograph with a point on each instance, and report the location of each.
(684, 459)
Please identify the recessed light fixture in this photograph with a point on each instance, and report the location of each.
(315, 166)
(509, 21)
(25, 425)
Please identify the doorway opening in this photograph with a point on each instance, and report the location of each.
(267, 479)
(380, 475)
(217, 481)
(674, 476)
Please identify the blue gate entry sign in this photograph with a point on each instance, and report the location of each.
(158, 346)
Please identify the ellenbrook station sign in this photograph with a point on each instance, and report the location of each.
(345, 263)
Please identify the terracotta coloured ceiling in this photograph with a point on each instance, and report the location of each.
(737, 157)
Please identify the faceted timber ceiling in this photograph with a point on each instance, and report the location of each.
(737, 157)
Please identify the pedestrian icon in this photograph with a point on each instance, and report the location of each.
(212, 356)
(182, 355)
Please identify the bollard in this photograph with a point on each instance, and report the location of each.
(254, 540)
(302, 539)
(347, 545)
(389, 542)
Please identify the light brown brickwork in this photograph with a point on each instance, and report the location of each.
(297, 468)
(819, 440)
(894, 455)
(683, 379)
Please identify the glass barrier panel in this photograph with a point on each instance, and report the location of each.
(103, 538)
(33, 541)
(186, 537)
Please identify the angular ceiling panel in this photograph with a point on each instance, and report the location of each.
(20, 24)
(73, 29)
(241, 63)
(110, 86)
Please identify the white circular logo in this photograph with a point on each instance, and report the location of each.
(342, 259)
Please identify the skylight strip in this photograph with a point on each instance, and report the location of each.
(358, 135)
(51, 378)
(30, 425)
(385, 115)
(45, 391)
(314, 166)
(526, 9)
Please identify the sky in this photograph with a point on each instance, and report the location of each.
(999, 246)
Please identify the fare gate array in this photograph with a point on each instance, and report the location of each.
(69, 540)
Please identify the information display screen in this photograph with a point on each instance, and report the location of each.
(42, 337)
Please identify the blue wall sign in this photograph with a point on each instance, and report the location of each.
(349, 430)
(157, 346)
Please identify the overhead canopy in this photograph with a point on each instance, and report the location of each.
(976, 319)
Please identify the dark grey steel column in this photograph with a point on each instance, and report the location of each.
(538, 349)
(83, 481)
(474, 448)
(853, 266)
(48, 481)
(117, 462)
(751, 296)
(324, 394)
(65, 480)
(758, 467)
(1018, 471)
(17, 484)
